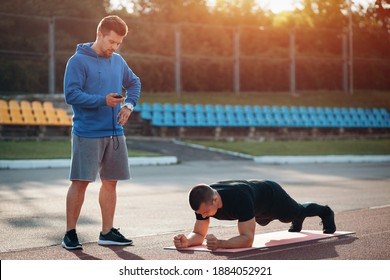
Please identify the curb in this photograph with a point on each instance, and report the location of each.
(320, 159)
(65, 163)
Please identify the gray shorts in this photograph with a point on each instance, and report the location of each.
(107, 156)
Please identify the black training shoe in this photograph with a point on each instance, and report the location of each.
(296, 225)
(328, 223)
(71, 241)
(113, 237)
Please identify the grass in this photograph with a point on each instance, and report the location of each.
(56, 149)
(291, 148)
(364, 99)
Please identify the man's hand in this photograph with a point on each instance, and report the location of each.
(212, 242)
(112, 99)
(123, 115)
(180, 241)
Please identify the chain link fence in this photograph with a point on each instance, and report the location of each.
(197, 57)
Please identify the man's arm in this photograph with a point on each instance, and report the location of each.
(196, 237)
(245, 238)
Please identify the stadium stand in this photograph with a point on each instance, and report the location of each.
(34, 119)
(275, 116)
(235, 121)
(207, 121)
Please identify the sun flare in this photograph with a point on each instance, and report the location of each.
(276, 6)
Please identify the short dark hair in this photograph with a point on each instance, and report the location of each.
(113, 23)
(199, 194)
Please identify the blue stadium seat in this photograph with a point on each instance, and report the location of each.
(294, 110)
(189, 108)
(199, 108)
(146, 115)
(238, 109)
(303, 110)
(157, 107)
(190, 119)
(200, 119)
(167, 107)
(248, 109)
(229, 108)
(157, 119)
(178, 108)
(209, 108)
(138, 108)
(179, 117)
(145, 107)
(219, 108)
(266, 109)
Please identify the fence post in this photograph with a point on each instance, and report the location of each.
(177, 61)
(345, 61)
(292, 62)
(350, 27)
(52, 63)
(236, 68)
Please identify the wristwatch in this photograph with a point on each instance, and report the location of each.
(129, 106)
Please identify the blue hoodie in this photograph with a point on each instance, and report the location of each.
(88, 78)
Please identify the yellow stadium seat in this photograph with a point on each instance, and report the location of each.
(24, 104)
(29, 119)
(14, 111)
(37, 105)
(27, 112)
(4, 117)
(65, 120)
(47, 105)
(41, 119)
(53, 120)
(13, 104)
(3, 104)
(61, 112)
(3, 111)
(17, 119)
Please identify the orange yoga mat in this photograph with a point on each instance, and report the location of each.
(271, 239)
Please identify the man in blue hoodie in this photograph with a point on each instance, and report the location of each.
(94, 79)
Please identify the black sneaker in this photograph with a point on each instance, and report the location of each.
(113, 237)
(71, 242)
(296, 225)
(328, 223)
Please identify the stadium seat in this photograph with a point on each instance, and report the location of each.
(3, 104)
(198, 108)
(248, 109)
(37, 106)
(167, 107)
(47, 105)
(146, 107)
(138, 108)
(25, 105)
(5, 118)
(209, 108)
(238, 109)
(157, 119)
(13, 104)
(146, 115)
(219, 109)
(189, 108)
(229, 109)
(303, 110)
(157, 107)
(178, 108)
(16, 118)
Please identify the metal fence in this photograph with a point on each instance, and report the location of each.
(197, 57)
